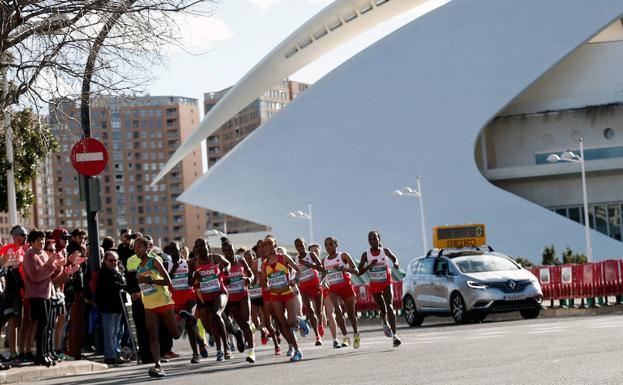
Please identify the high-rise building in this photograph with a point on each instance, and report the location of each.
(140, 133)
(238, 128)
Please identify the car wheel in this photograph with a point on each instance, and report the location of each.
(458, 309)
(411, 315)
(530, 314)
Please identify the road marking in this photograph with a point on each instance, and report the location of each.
(546, 331)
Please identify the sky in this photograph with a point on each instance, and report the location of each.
(221, 49)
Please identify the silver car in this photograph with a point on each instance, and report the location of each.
(468, 284)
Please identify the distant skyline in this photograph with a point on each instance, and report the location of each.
(240, 33)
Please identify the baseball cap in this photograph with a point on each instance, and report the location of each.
(60, 233)
(19, 230)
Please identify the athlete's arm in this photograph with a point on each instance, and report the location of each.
(352, 268)
(191, 273)
(166, 280)
(291, 264)
(248, 271)
(363, 267)
(317, 265)
(391, 256)
(222, 262)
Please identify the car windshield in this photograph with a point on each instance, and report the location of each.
(484, 263)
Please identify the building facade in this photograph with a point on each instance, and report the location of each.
(139, 134)
(234, 131)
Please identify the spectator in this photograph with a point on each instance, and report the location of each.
(11, 311)
(39, 270)
(61, 236)
(74, 295)
(110, 282)
(108, 244)
(125, 249)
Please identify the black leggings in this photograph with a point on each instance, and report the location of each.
(40, 312)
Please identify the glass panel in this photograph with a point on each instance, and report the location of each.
(562, 212)
(574, 214)
(614, 221)
(601, 219)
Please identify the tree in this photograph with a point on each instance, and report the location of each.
(569, 257)
(524, 262)
(549, 256)
(44, 45)
(32, 143)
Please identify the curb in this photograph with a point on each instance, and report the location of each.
(557, 312)
(62, 369)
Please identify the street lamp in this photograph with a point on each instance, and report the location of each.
(410, 192)
(569, 156)
(305, 215)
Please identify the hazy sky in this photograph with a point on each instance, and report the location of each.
(240, 33)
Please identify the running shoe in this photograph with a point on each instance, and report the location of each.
(188, 317)
(357, 341)
(297, 356)
(303, 327)
(397, 341)
(251, 357)
(195, 359)
(239, 340)
(220, 356)
(387, 331)
(264, 338)
(170, 355)
(345, 341)
(163, 360)
(321, 330)
(290, 351)
(203, 351)
(277, 350)
(228, 354)
(336, 345)
(318, 341)
(157, 372)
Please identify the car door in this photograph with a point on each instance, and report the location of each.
(423, 290)
(440, 285)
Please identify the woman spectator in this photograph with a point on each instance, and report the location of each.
(110, 282)
(40, 268)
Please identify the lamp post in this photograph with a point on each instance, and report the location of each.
(569, 156)
(305, 215)
(410, 192)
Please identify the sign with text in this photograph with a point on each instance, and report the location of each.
(89, 157)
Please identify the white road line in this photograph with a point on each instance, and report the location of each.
(546, 331)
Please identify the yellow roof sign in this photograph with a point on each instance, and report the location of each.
(459, 236)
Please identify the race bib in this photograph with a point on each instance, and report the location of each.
(147, 289)
(180, 282)
(278, 280)
(307, 274)
(255, 292)
(236, 284)
(335, 277)
(378, 274)
(210, 284)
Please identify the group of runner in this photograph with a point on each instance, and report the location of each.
(263, 289)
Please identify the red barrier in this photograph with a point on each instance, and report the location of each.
(611, 277)
(366, 302)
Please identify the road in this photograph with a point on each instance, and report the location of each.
(582, 350)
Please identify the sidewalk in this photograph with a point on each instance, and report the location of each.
(63, 368)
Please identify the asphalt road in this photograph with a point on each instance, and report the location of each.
(582, 350)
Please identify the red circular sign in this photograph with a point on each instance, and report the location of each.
(89, 157)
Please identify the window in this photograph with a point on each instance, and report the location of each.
(426, 267)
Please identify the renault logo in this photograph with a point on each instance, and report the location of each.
(512, 285)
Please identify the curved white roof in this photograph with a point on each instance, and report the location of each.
(412, 104)
(338, 23)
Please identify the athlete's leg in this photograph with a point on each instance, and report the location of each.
(391, 314)
(191, 327)
(311, 312)
(170, 321)
(242, 316)
(218, 325)
(152, 320)
(267, 323)
(352, 313)
(339, 316)
(279, 312)
(330, 316)
(380, 302)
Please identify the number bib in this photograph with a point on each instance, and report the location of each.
(335, 277)
(236, 284)
(180, 279)
(278, 280)
(255, 292)
(307, 274)
(147, 289)
(378, 274)
(210, 283)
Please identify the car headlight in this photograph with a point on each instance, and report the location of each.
(476, 285)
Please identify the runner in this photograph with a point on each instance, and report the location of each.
(206, 272)
(238, 305)
(311, 290)
(275, 276)
(260, 306)
(154, 283)
(183, 295)
(376, 262)
(338, 267)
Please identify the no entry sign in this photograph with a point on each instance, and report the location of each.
(89, 157)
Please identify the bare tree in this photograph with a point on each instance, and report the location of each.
(44, 45)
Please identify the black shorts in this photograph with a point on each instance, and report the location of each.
(257, 301)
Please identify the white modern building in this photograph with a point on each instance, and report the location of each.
(472, 97)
